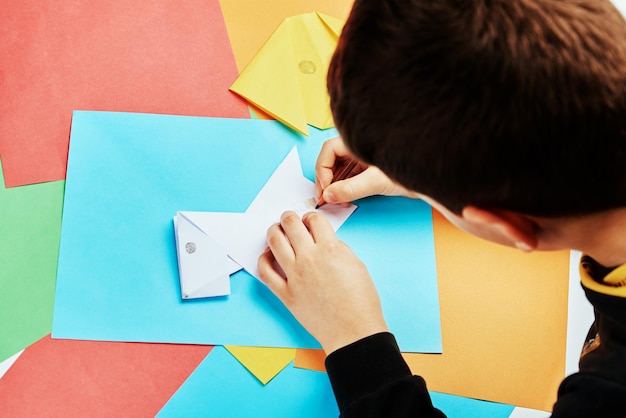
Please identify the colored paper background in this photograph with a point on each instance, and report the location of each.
(222, 387)
(128, 174)
(503, 316)
(151, 56)
(30, 228)
(251, 21)
(63, 378)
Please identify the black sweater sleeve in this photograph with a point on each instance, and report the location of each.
(371, 379)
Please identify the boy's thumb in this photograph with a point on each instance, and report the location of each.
(348, 190)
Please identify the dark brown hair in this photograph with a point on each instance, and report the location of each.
(508, 104)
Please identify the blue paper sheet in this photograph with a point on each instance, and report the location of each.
(222, 387)
(127, 176)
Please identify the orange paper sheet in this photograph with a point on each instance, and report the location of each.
(503, 321)
(150, 56)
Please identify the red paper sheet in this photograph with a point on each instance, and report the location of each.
(151, 56)
(66, 378)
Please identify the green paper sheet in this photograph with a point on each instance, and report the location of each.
(30, 229)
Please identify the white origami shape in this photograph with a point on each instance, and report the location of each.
(204, 267)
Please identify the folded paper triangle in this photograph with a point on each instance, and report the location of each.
(263, 362)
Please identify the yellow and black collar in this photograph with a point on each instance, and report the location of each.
(608, 281)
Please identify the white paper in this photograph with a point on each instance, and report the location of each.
(580, 316)
(243, 235)
(6, 364)
(528, 413)
(204, 267)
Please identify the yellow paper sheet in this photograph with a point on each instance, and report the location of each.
(287, 77)
(250, 23)
(503, 320)
(263, 362)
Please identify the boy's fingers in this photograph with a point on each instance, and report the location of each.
(268, 274)
(319, 227)
(331, 151)
(280, 245)
(295, 231)
(364, 184)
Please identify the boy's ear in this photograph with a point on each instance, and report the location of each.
(510, 228)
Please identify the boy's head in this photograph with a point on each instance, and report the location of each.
(504, 104)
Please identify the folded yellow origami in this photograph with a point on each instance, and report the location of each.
(287, 77)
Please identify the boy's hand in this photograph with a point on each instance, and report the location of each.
(368, 182)
(320, 280)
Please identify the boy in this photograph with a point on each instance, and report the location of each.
(507, 116)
